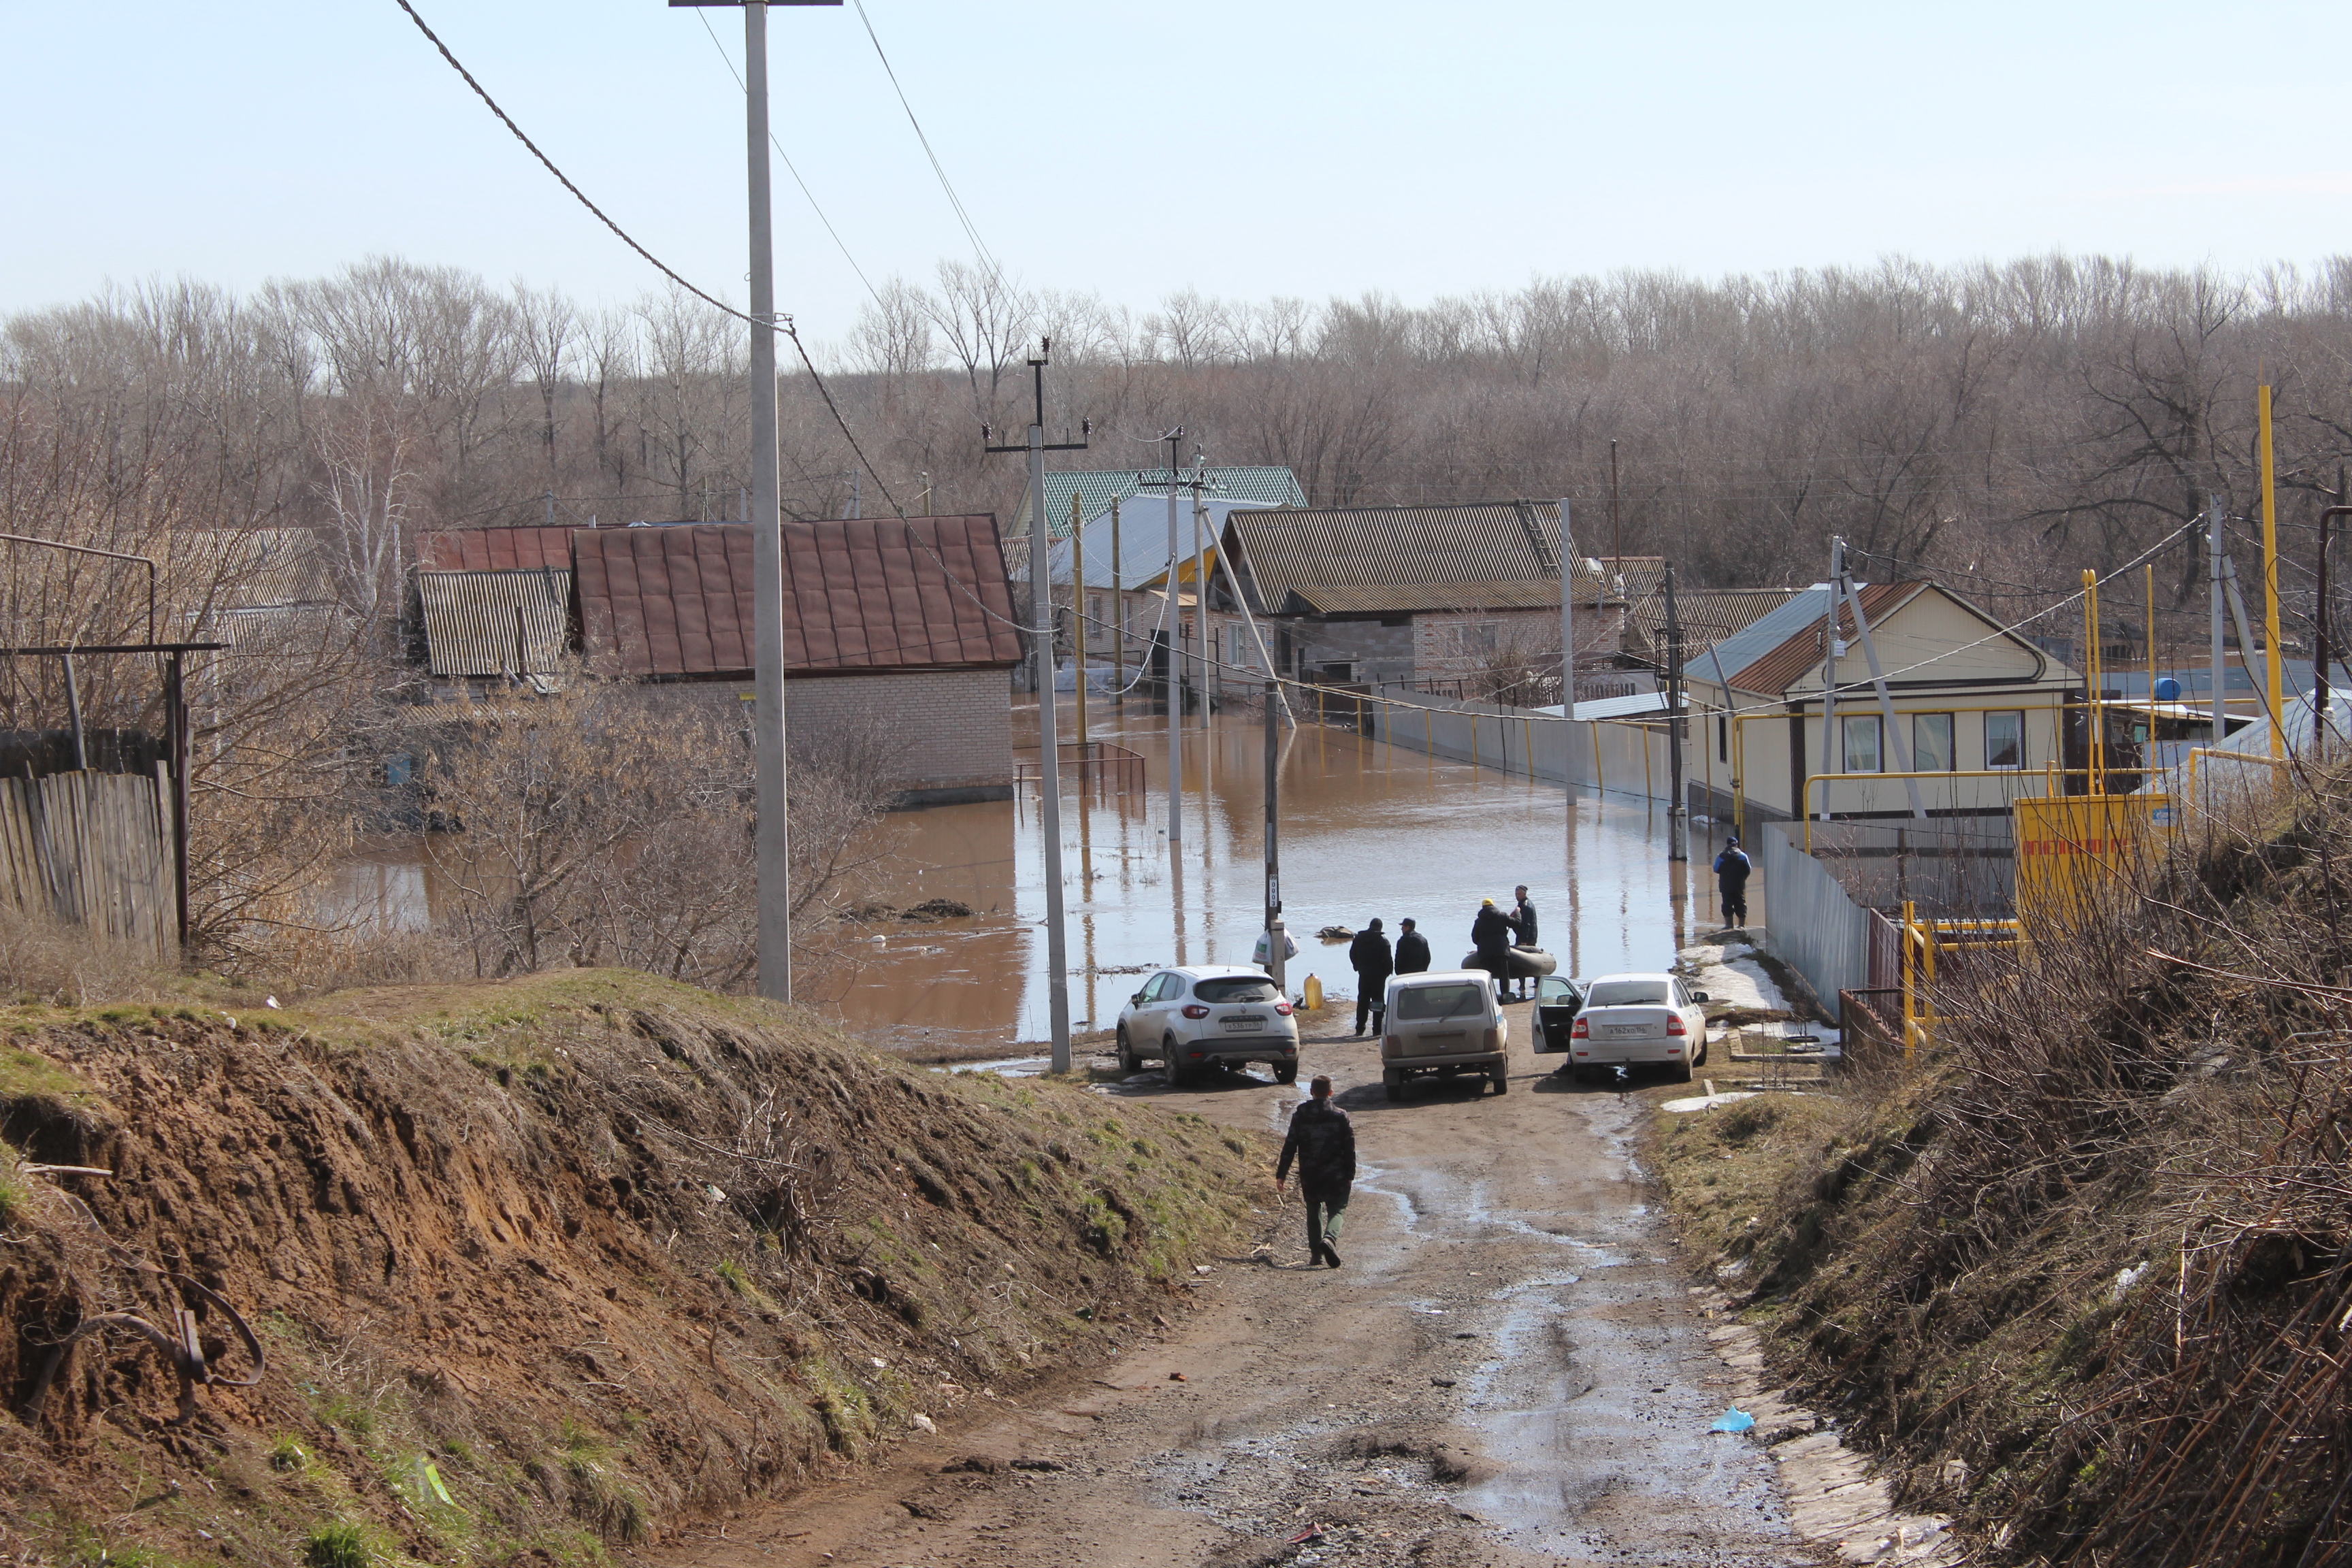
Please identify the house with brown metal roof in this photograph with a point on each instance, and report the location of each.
(1972, 702)
(1415, 595)
(899, 632)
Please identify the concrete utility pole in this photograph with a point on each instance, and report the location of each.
(1275, 937)
(1892, 743)
(1171, 687)
(2273, 665)
(1079, 619)
(1567, 628)
(1616, 539)
(772, 842)
(1829, 674)
(1678, 811)
(1049, 789)
(1200, 588)
(2323, 723)
(1117, 616)
(2213, 548)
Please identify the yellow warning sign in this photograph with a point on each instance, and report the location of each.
(2071, 848)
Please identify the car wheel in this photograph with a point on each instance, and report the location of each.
(1286, 1072)
(1502, 1080)
(1394, 1083)
(1683, 1072)
(1170, 1065)
(1700, 1059)
(1128, 1060)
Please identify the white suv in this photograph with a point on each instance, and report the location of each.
(1206, 1016)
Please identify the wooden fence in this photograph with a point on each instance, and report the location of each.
(91, 850)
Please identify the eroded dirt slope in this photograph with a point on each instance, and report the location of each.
(540, 1267)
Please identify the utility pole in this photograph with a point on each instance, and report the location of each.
(1678, 812)
(1616, 538)
(1049, 790)
(1275, 937)
(1171, 687)
(2271, 669)
(856, 493)
(2213, 570)
(2323, 724)
(1118, 618)
(771, 841)
(1079, 619)
(1200, 588)
(1567, 637)
(1829, 674)
(1891, 744)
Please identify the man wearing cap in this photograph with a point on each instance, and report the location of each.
(1731, 869)
(1323, 1141)
(1491, 935)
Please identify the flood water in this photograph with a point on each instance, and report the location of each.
(1367, 830)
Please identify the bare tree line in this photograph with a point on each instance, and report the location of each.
(2006, 425)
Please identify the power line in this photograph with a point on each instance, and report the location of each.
(790, 166)
(507, 120)
(937, 168)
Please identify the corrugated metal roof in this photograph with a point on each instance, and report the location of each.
(1264, 486)
(1142, 541)
(1708, 615)
(927, 593)
(494, 622)
(1287, 549)
(1780, 667)
(253, 568)
(495, 550)
(1627, 707)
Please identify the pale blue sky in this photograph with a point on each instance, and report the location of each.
(1245, 147)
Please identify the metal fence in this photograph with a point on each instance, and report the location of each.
(91, 850)
(1823, 934)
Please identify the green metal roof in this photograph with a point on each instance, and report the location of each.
(1095, 491)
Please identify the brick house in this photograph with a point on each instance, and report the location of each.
(897, 633)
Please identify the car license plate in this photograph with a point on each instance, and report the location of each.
(1245, 1021)
(1621, 1031)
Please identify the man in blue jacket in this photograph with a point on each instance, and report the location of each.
(1323, 1141)
(1731, 869)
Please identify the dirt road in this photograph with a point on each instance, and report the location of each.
(1508, 1370)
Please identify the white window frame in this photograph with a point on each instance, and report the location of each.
(1853, 724)
(2018, 714)
(1951, 743)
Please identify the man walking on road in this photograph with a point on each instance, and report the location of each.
(1323, 1141)
(1369, 956)
(1412, 950)
(1523, 915)
(1731, 869)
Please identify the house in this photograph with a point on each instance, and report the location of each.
(495, 549)
(1268, 485)
(1416, 595)
(481, 626)
(1969, 696)
(898, 636)
(1130, 534)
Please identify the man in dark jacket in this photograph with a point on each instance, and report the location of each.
(1491, 934)
(1731, 869)
(1369, 956)
(1412, 950)
(1523, 916)
(1323, 1141)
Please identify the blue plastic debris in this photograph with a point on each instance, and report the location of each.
(1733, 1420)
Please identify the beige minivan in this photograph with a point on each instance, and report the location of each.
(1445, 1022)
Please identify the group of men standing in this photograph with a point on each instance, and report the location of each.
(1493, 934)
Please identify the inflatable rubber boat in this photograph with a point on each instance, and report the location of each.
(1526, 962)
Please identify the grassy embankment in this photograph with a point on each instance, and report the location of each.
(540, 1267)
(2098, 1246)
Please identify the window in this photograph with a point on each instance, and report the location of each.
(1931, 742)
(1862, 743)
(1162, 987)
(1628, 994)
(1235, 988)
(1443, 1001)
(2005, 740)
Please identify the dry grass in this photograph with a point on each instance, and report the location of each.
(2099, 1247)
(72, 966)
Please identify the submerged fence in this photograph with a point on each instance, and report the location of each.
(91, 850)
(1604, 754)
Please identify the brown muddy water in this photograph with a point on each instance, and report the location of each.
(1367, 830)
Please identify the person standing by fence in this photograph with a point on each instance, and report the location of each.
(1731, 870)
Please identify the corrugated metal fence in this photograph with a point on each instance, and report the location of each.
(1620, 759)
(92, 850)
(1824, 935)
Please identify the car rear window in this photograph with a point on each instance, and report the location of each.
(1235, 988)
(1628, 994)
(1440, 1001)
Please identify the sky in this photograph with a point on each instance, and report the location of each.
(1243, 147)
